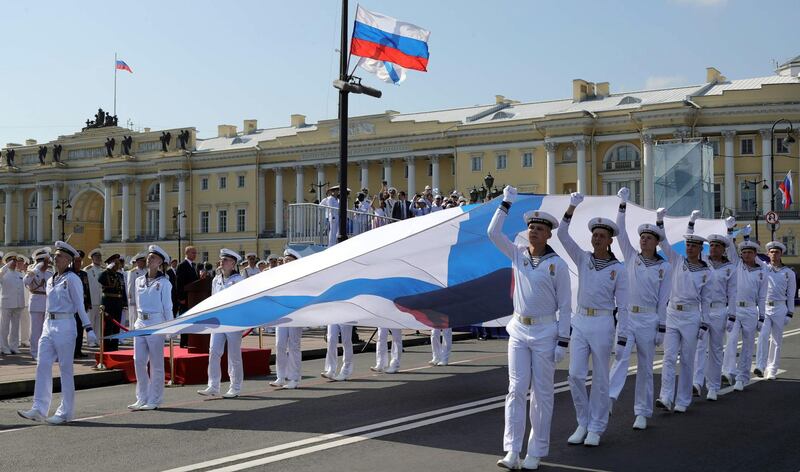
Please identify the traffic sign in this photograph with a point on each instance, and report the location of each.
(771, 217)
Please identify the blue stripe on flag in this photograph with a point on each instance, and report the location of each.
(409, 46)
(392, 72)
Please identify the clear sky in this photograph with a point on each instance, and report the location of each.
(204, 63)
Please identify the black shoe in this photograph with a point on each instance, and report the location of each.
(696, 390)
(80, 355)
(481, 338)
(759, 373)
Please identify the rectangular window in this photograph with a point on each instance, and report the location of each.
(717, 199)
(790, 243)
(223, 183)
(241, 181)
(222, 221)
(746, 146)
(747, 197)
(527, 159)
(453, 167)
(204, 183)
(204, 221)
(383, 173)
(430, 170)
(477, 163)
(241, 219)
(781, 147)
(715, 146)
(406, 171)
(500, 162)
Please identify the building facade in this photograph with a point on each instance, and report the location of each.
(233, 190)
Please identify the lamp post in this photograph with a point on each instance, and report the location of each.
(62, 207)
(788, 140)
(317, 189)
(179, 215)
(491, 190)
(754, 183)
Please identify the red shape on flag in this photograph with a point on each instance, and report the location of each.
(121, 65)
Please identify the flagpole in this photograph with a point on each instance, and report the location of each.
(115, 84)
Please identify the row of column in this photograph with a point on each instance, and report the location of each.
(550, 178)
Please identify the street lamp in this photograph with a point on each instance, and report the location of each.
(62, 207)
(787, 141)
(754, 183)
(473, 195)
(317, 188)
(179, 215)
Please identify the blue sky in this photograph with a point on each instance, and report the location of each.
(204, 63)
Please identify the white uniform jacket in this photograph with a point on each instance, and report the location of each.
(13, 288)
(65, 295)
(153, 299)
(36, 281)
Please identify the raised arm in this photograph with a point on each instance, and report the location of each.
(732, 253)
(495, 230)
(628, 251)
(672, 256)
(575, 252)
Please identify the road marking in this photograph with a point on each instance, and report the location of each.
(571, 467)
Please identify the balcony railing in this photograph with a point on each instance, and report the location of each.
(745, 214)
(308, 223)
(622, 165)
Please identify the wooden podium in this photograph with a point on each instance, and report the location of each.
(196, 292)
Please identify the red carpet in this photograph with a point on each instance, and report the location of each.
(191, 368)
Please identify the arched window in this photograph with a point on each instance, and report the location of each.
(622, 168)
(622, 157)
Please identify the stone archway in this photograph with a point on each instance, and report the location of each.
(84, 226)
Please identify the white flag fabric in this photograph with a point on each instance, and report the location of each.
(439, 270)
(385, 71)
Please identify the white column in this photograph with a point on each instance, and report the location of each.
(320, 179)
(55, 223)
(387, 171)
(7, 227)
(595, 169)
(364, 174)
(580, 147)
(162, 206)
(412, 177)
(137, 208)
(20, 215)
(299, 184)
(730, 175)
(550, 147)
(40, 213)
(262, 200)
(124, 232)
(648, 199)
(435, 172)
(766, 172)
(106, 210)
(278, 201)
(182, 203)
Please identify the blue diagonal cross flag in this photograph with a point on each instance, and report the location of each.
(439, 270)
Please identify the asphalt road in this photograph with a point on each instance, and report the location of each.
(424, 418)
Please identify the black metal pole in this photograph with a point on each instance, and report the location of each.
(343, 129)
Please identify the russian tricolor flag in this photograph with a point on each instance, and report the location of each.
(383, 38)
(785, 188)
(121, 65)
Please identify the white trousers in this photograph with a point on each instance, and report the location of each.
(708, 356)
(333, 230)
(57, 343)
(441, 343)
(94, 318)
(642, 334)
(592, 338)
(382, 348)
(9, 328)
(531, 368)
(25, 326)
(235, 367)
(332, 357)
(770, 339)
(132, 314)
(288, 356)
(149, 386)
(744, 326)
(37, 325)
(680, 340)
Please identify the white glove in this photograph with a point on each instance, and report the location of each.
(509, 194)
(659, 338)
(39, 265)
(694, 216)
(729, 324)
(660, 214)
(786, 320)
(624, 194)
(730, 222)
(559, 354)
(701, 333)
(747, 230)
(91, 337)
(575, 198)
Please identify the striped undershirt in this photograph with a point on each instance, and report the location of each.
(600, 264)
(648, 262)
(694, 267)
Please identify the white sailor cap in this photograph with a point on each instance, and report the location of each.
(438, 196)
(694, 239)
(154, 249)
(605, 224)
(718, 238)
(41, 254)
(651, 229)
(271, 257)
(225, 252)
(538, 216)
(139, 255)
(776, 245)
(752, 245)
(94, 251)
(289, 252)
(61, 246)
(251, 254)
(261, 262)
(25, 259)
(10, 255)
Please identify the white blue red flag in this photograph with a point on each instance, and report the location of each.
(383, 38)
(785, 188)
(121, 65)
(439, 270)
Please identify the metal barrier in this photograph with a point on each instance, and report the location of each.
(309, 223)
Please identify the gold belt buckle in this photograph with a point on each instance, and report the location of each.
(742, 304)
(52, 316)
(590, 311)
(635, 309)
(679, 307)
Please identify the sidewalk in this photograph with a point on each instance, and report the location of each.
(17, 372)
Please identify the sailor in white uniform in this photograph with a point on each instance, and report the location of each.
(227, 276)
(332, 213)
(251, 268)
(781, 290)
(64, 294)
(36, 281)
(602, 286)
(382, 361)
(751, 280)
(153, 306)
(12, 304)
(650, 281)
(288, 355)
(687, 317)
(722, 290)
(138, 270)
(538, 331)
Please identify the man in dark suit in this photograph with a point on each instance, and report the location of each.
(402, 208)
(87, 301)
(186, 274)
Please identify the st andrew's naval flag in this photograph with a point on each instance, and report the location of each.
(388, 47)
(439, 270)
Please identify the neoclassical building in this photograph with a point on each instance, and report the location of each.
(234, 189)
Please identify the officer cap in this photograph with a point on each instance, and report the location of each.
(289, 252)
(605, 224)
(751, 245)
(111, 258)
(94, 251)
(225, 252)
(65, 248)
(154, 249)
(651, 229)
(251, 254)
(718, 238)
(776, 245)
(538, 216)
(694, 239)
(139, 255)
